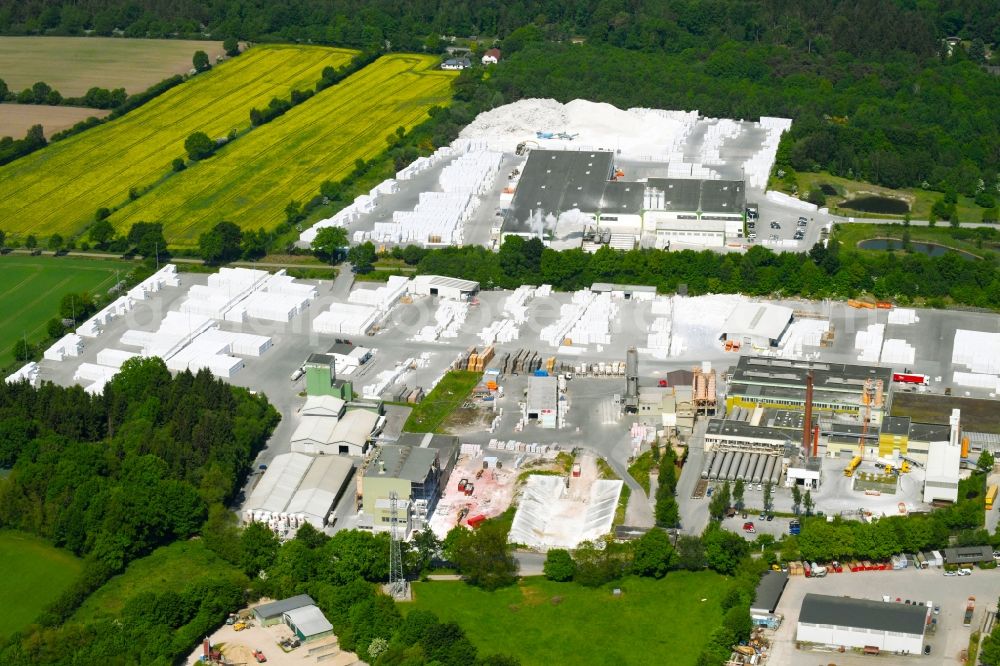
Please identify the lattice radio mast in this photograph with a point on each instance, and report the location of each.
(397, 582)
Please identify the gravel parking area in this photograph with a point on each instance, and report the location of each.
(948, 592)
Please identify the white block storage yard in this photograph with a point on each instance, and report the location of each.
(191, 337)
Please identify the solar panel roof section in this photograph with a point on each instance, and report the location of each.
(555, 181)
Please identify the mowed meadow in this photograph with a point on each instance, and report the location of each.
(72, 65)
(59, 188)
(251, 181)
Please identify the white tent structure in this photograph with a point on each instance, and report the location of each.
(549, 517)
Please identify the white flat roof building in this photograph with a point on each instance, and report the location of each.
(757, 324)
(861, 623)
(542, 402)
(941, 479)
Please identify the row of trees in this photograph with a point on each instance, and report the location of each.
(838, 540)
(820, 273)
(849, 26)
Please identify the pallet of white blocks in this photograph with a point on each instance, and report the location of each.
(474, 450)
(70, 345)
(27, 372)
(903, 316)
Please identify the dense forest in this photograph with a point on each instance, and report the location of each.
(820, 273)
(112, 476)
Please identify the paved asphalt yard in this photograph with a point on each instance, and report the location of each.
(948, 592)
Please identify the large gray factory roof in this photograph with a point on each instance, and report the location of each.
(678, 194)
(729, 428)
(834, 377)
(722, 196)
(863, 614)
(555, 181)
(402, 462)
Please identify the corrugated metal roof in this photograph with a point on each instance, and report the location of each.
(355, 427)
(277, 608)
(309, 620)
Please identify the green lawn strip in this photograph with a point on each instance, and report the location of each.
(542, 622)
(34, 286)
(168, 568)
(34, 575)
(446, 397)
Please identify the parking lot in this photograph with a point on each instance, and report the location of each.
(948, 592)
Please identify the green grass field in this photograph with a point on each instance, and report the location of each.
(33, 286)
(251, 182)
(34, 575)
(72, 65)
(168, 568)
(58, 189)
(446, 397)
(541, 622)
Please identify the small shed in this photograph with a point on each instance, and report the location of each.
(272, 613)
(308, 623)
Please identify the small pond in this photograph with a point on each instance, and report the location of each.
(874, 204)
(930, 249)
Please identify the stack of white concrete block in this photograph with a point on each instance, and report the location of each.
(114, 358)
(383, 297)
(27, 372)
(903, 316)
(869, 343)
(977, 350)
(347, 318)
(448, 320)
(898, 352)
(70, 345)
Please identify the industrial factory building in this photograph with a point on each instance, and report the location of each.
(446, 287)
(298, 488)
(769, 590)
(941, 476)
(667, 210)
(542, 403)
(862, 623)
(739, 450)
(413, 468)
(839, 388)
(759, 325)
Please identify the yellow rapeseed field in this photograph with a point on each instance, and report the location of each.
(252, 180)
(59, 188)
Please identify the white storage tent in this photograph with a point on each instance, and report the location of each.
(299, 485)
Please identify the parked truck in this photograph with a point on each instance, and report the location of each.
(851, 466)
(970, 608)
